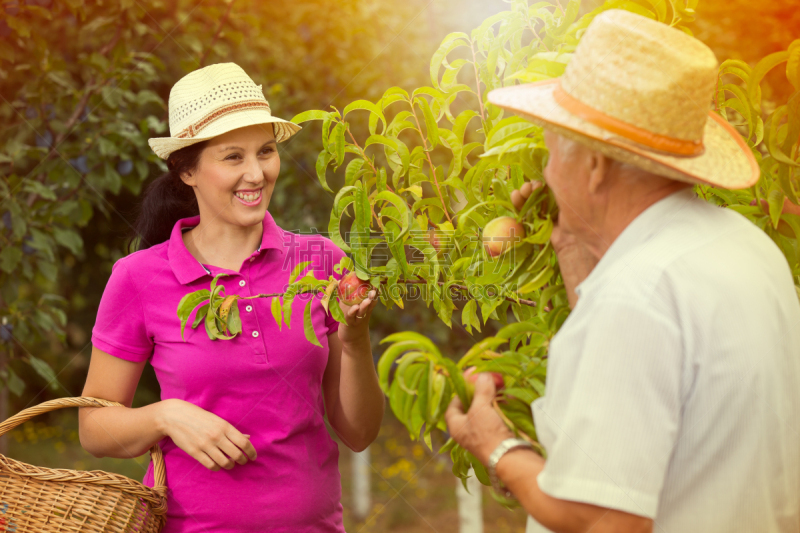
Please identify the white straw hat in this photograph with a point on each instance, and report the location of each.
(640, 92)
(214, 100)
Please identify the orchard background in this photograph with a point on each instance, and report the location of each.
(84, 84)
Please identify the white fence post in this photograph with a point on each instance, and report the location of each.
(362, 499)
(470, 510)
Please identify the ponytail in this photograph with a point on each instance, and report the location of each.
(166, 200)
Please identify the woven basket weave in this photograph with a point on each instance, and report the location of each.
(54, 500)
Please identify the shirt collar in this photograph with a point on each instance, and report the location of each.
(187, 268)
(636, 232)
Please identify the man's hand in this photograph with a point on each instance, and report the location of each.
(519, 196)
(480, 429)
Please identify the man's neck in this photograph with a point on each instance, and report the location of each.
(622, 208)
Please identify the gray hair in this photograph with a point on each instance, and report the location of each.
(567, 148)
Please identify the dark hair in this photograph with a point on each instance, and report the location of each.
(166, 200)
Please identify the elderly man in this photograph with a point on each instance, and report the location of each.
(673, 388)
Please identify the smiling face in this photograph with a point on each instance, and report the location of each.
(236, 175)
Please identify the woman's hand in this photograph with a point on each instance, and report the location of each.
(357, 317)
(208, 438)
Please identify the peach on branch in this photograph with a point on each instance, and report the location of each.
(471, 377)
(438, 239)
(353, 290)
(502, 233)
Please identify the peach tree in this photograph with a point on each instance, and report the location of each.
(426, 202)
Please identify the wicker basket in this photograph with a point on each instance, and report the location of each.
(49, 500)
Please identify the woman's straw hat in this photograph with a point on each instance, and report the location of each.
(214, 100)
(640, 92)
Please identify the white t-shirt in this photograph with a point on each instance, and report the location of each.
(673, 388)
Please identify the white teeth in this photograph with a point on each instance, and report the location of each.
(248, 197)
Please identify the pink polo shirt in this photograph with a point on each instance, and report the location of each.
(266, 382)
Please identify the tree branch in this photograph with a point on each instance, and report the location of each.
(430, 163)
(222, 22)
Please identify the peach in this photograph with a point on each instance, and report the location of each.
(471, 377)
(502, 233)
(353, 290)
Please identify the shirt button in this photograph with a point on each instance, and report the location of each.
(255, 334)
(241, 283)
(252, 259)
(249, 308)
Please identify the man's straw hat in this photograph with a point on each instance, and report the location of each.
(214, 100)
(640, 92)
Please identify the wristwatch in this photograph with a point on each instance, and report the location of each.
(503, 448)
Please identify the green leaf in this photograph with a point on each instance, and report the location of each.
(537, 282)
(308, 325)
(479, 469)
(367, 106)
(448, 44)
(388, 358)
(10, 257)
(69, 239)
(44, 370)
(760, 70)
(430, 121)
(234, 321)
(323, 159)
(424, 391)
(313, 114)
(526, 395)
(469, 316)
(338, 142)
(793, 64)
(406, 216)
(394, 144)
(200, 316)
(188, 303)
(508, 128)
(14, 383)
(775, 151)
(35, 187)
(350, 172)
(277, 311)
(299, 267)
(775, 199)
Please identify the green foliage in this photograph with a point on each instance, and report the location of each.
(76, 119)
(772, 131)
(79, 101)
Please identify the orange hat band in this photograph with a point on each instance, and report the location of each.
(633, 133)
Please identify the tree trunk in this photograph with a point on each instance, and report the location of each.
(362, 499)
(470, 510)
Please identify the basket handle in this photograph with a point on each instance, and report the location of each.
(159, 470)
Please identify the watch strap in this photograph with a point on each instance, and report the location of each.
(503, 448)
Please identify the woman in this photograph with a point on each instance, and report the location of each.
(240, 421)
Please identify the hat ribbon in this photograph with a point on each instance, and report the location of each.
(192, 129)
(656, 141)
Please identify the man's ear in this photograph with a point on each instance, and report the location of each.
(599, 165)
